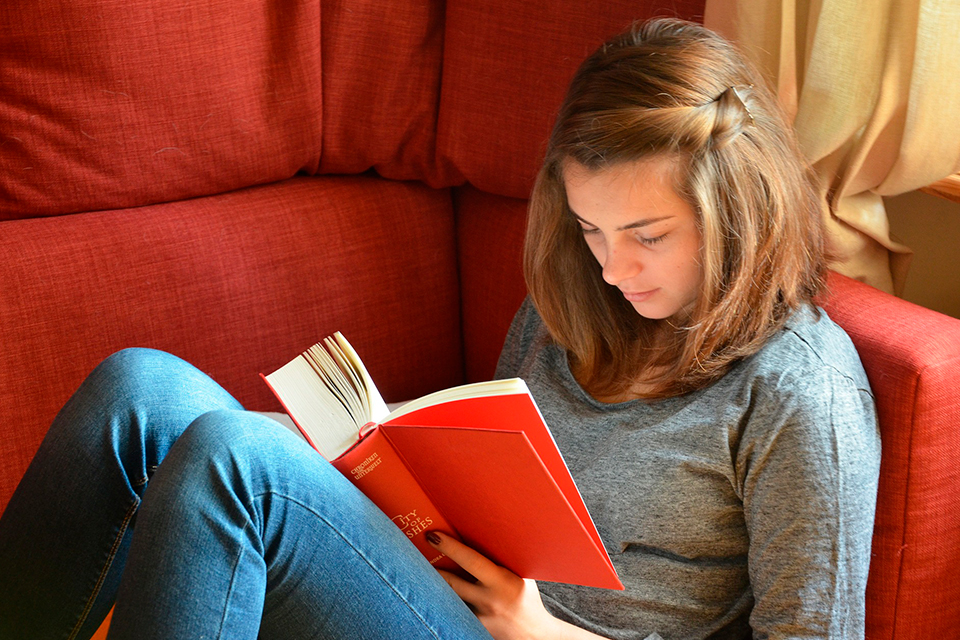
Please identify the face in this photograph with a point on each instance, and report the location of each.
(643, 234)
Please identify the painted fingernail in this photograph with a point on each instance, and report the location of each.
(433, 538)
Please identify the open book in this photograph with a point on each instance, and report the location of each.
(476, 461)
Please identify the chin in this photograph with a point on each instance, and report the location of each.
(680, 314)
(655, 314)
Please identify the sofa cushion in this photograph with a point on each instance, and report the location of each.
(506, 68)
(237, 284)
(110, 103)
(381, 85)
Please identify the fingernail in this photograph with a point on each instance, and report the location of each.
(433, 538)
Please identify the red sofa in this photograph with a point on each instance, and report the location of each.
(232, 181)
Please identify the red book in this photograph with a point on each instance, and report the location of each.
(477, 462)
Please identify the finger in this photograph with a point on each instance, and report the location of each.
(472, 561)
(467, 591)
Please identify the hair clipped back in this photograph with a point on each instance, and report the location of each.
(669, 88)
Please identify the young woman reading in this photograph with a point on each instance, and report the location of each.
(720, 427)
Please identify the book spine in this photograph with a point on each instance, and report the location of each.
(375, 468)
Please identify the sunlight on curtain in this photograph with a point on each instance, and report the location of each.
(873, 89)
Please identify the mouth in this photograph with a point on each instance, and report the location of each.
(639, 296)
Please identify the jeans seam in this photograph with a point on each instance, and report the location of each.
(106, 568)
(145, 479)
(359, 553)
(233, 582)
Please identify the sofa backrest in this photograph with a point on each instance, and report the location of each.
(157, 141)
(107, 104)
(506, 68)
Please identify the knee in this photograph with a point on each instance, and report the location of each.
(138, 365)
(242, 450)
(147, 377)
(228, 432)
(240, 440)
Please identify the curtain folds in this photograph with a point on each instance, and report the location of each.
(873, 90)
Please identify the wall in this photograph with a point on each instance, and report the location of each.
(929, 225)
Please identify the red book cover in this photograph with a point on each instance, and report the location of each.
(506, 493)
(374, 467)
(491, 467)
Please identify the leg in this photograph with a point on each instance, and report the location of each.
(65, 533)
(246, 530)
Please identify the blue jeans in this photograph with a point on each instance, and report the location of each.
(241, 529)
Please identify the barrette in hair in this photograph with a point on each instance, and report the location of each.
(743, 102)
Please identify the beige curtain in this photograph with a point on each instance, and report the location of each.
(873, 88)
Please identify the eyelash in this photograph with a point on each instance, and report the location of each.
(651, 241)
(643, 240)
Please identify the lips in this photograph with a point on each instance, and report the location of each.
(639, 296)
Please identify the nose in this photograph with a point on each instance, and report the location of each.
(620, 264)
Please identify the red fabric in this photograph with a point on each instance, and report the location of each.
(237, 284)
(119, 103)
(489, 248)
(506, 68)
(912, 357)
(381, 83)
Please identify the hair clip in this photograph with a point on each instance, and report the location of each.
(742, 102)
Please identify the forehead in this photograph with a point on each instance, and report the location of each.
(638, 188)
(663, 168)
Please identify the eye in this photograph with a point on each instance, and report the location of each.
(589, 231)
(652, 241)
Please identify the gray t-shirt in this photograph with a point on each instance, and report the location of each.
(744, 506)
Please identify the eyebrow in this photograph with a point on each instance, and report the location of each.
(633, 225)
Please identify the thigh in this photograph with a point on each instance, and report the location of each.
(280, 544)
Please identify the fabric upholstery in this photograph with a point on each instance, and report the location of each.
(112, 103)
(912, 358)
(381, 84)
(506, 67)
(237, 284)
(489, 250)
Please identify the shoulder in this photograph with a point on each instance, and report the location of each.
(527, 335)
(807, 387)
(811, 349)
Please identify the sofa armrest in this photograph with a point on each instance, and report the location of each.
(912, 358)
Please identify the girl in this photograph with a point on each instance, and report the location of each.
(720, 427)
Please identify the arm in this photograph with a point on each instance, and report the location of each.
(523, 330)
(808, 466)
(508, 606)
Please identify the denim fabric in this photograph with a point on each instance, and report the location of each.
(243, 531)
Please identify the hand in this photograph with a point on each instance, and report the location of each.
(507, 605)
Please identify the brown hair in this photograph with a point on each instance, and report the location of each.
(669, 88)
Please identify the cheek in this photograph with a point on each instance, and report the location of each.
(695, 268)
(688, 268)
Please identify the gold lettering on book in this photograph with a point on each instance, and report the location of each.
(412, 524)
(369, 463)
